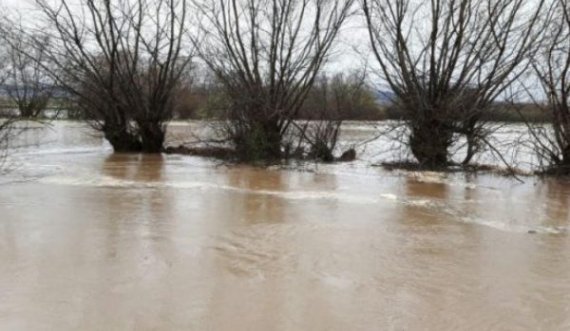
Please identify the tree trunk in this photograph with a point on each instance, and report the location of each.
(564, 165)
(430, 144)
(471, 150)
(152, 138)
(260, 141)
(272, 147)
(26, 112)
(122, 141)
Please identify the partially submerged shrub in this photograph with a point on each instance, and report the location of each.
(266, 72)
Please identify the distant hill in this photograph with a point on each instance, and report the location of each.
(58, 92)
(384, 97)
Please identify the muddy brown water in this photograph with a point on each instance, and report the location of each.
(90, 240)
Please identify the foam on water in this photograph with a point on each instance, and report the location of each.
(58, 150)
(302, 195)
(502, 225)
(111, 182)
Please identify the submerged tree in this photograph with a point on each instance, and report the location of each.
(121, 62)
(552, 67)
(447, 61)
(266, 54)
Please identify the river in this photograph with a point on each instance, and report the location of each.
(91, 240)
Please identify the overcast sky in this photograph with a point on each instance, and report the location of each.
(351, 44)
(15, 3)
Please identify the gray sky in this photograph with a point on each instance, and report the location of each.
(344, 57)
(15, 3)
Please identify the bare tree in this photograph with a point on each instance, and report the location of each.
(27, 84)
(552, 67)
(447, 61)
(7, 117)
(120, 60)
(266, 54)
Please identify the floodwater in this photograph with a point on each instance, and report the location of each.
(90, 240)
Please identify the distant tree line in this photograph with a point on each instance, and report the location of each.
(259, 68)
(345, 96)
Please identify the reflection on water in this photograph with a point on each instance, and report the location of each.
(134, 167)
(98, 241)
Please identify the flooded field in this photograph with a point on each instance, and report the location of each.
(90, 240)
